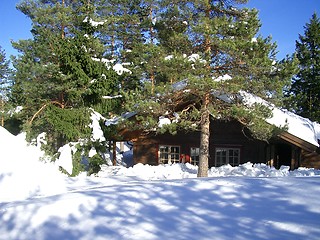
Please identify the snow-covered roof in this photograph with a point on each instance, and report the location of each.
(115, 120)
(297, 126)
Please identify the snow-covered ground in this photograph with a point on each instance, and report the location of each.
(153, 202)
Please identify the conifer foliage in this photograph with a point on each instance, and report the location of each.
(59, 75)
(185, 60)
(305, 91)
(4, 85)
(208, 52)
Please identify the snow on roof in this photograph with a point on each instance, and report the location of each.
(163, 121)
(298, 126)
(116, 120)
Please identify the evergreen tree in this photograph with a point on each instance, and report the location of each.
(305, 90)
(60, 74)
(4, 84)
(208, 53)
(121, 29)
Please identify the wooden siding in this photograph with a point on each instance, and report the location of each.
(310, 159)
(232, 134)
(224, 134)
(283, 150)
(298, 142)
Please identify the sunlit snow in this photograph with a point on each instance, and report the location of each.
(296, 125)
(153, 202)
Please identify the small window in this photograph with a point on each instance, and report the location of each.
(194, 155)
(169, 154)
(225, 156)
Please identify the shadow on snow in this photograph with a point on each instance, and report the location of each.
(214, 208)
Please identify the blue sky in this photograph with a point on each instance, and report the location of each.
(282, 19)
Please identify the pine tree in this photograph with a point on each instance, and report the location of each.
(4, 65)
(4, 85)
(59, 73)
(305, 90)
(121, 29)
(211, 53)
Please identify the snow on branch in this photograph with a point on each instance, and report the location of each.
(118, 67)
(111, 97)
(93, 23)
(222, 78)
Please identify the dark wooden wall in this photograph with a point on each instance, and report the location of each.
(223, 134)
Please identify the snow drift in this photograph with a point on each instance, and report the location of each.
(153, 202)
(24, 175)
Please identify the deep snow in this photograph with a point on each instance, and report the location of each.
(148, 202)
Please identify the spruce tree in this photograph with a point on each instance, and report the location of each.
(121, 29)
(305, 90)
(210, 52)
(4, 85)
(60, 75)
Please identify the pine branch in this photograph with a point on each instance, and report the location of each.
(43, 107)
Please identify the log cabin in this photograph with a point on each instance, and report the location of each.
(231, 143)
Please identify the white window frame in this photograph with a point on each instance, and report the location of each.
(194, 155)
(168, 154)
(229, 157)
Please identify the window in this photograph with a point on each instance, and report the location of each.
(169, 154)
(227, 156)
(194, 154)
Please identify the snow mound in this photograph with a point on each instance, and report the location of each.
(181, 171)
(22, 175)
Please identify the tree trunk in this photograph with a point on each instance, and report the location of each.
(205, 114)
(204, 138)
(63, 34)
(151, 32)
(114, 153)
(152, 82)
(2, 109)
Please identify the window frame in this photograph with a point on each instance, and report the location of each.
(176, 159)
(235, 160)
(195, 161)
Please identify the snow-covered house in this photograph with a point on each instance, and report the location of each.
(231, 143)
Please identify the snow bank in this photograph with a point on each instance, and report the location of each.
(22, 175)
(180, 171)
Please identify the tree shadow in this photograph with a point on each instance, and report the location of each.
(213, 208)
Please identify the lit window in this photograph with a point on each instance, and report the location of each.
(225, 156)
(169, 154)
(194, 154)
